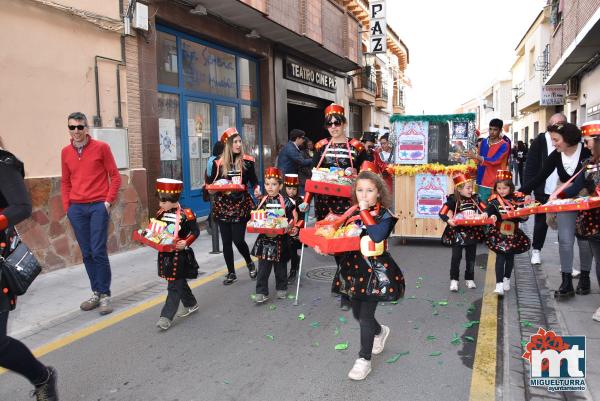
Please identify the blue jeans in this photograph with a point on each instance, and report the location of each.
(90, 225)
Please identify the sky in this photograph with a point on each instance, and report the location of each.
(458, 48)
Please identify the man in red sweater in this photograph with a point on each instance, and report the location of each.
(89, 187)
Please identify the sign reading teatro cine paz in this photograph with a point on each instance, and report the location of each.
(302, 73)
(377, 11)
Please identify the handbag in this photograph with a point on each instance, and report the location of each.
(20, 267)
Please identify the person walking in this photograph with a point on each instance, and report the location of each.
(521, 158)
(15, 206)
(90, 184)
(538, 152)
(290, 159)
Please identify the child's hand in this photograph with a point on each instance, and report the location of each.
(528, 199)
(363, 205)
(494, 218)
(180, 245)
(451, 223)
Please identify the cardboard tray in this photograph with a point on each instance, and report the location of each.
(265, 230)
(145, 241)
(522, 212)
(329, 245)
(474, 222)
(326, 188)
(225, 188)
(585, 205)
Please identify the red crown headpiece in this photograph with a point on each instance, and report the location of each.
(460, 178)
(273, 172)
(169, 186)
(291, 180)
(591, 128)
(334, 108)
(502, 175)
(229, 132)
(369, 166)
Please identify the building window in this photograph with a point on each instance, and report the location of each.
(574, 117)
(536, 128)
(355, 121)
(532, 63)
(166, 59)
(208, 70)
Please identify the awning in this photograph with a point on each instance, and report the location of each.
(584, 48)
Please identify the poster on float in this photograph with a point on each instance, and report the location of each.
(411, 142)
(430, 194)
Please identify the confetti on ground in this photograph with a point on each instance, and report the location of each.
(469, 338)
(471, 308)
(470, 324)
(397, 356)
(301, 316)
(253, 297)
(270, 337)
(416, 327)
(461, 291)
(418, 286)
(455, 339)
(226, 382)
(291, 296)
(431, 338)
(315, 344)
(412, 297)
(435, 312)
(342, 319)
(341, 346)
(436, 353)
(443, 302)
(526, 323)
(336, 332)
(394, 302)
(272, 307)
(314, 324)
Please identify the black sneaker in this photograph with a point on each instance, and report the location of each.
(230, 279)
(47, 390)
(252, 270)
(292, 276)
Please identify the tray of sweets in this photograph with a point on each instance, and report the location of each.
(266, 230)
(328, 188)
(570, 205)
(138, 237)
(309, 238)
(225, 187)
(521, 212)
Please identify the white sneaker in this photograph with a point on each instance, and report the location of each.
(506, 284)
(536, 258)
(360, 370)
(379, 341)
(454, 285)
(163, 323)
(499, 289)
(575, 273)
(471, 284)
(184, 311)
(596, 315)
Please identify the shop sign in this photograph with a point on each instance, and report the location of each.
(553, 95)
(378, 26)
(305, 74)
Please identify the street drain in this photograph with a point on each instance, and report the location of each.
(324, 273)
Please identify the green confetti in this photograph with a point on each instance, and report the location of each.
(469, 338)
(416, 327)
(395, 358)
(471, 308)
(470, 324)
(412, 297)
(315, 324)
(436, 353)
(270, 337)
(417, 286)
(272, 307)
(526, 323)
(226, 382)
(301, 316)
(524, 343)
(253, 297)
(455, 340)
(435, 312)
(461, 291)
(431, 338)
(336, 332)
(394, 302)
(343, 320)
(341, 346)
(291, 296)
(443, 302)
(315, 344)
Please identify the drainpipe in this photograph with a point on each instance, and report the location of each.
(98, 117)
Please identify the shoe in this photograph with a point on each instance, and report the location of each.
(454, 285)
(576, 273)
(91, 303)
(499, 289)
(252, 270)
(292, 276)
(345, 307)
(184, 311)
(506, 284)
(360, 370)
(105, 307)
(470, 284)
(163, 323)
(47, 390)
(282, 294)
(596, 315)
(536, 258)
(583, 286)
(261, 298)
(230, 279)
(566, 287)
(379, 340)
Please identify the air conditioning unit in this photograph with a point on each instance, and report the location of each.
(572, 87)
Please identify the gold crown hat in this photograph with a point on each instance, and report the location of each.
(169, 186)
(334, 108)
(291, 180)
(591, 128)
(502, 175)
(273, 172)
(460, 178)
(228, 133)
(369, 166)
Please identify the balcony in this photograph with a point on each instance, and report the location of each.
(364, 88)
(381, 98)
(398, 106)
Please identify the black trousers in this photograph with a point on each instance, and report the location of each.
(294, 260)
(15, 356)
(234, 233)
(264, 271)
(470, 253)
(178, 291)
(364, 312)
(344, 299)
(504, 266)
(540, 228)
(520, 167)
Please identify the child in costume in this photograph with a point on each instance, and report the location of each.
(506, 239)
(178, 266)
(464, 203)
(272, 251)
(291, 183)
(369, 275)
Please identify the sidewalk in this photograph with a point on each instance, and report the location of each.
(54, 297)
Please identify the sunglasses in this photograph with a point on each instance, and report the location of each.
(336, 123)
(79, 127)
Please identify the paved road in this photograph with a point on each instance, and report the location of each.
(225, 352)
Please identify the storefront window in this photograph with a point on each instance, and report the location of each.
(225, 118)
(249, 129)
(208, 70)
(169, 131)
(248, 87)
(200, 146)
(166, 59)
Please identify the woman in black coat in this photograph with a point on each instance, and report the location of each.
(15, 206)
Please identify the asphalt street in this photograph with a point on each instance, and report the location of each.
(232, 349)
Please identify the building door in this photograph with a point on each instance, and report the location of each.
(306, 113)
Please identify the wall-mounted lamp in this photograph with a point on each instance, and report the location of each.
(253, 34)
(199, 10)
(486, 107)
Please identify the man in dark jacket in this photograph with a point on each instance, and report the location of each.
(539, 150)
(290, 159)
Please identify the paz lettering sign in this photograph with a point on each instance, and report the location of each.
(553, 95)
(378, 26)
(296, 71)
